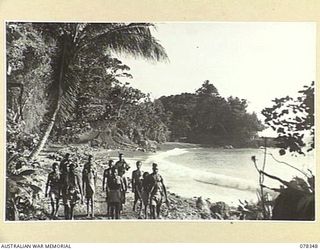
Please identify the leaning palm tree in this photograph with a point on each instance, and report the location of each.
(74, 41)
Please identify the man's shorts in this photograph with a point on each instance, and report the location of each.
(54, 193)
(137, 194)
(156, 199)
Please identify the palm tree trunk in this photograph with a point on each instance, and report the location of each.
(47, 133)
(53, 118)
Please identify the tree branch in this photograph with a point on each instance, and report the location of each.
(282, 162)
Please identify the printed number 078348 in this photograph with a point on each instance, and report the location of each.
(308, 246)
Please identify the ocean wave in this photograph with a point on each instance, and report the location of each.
(178, 173)
(173, 152)
(227, 182)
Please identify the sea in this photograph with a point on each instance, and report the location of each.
(218, 174)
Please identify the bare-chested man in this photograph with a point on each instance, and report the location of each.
(89, 178)
(145, 192)
(122, 166)
(137, 185)
(53, 188)
(107, 174)
(72, 190)
(158, 192)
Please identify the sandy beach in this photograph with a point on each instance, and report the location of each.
(221, 195)
(180, 208)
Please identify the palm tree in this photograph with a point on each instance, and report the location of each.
(74, 41)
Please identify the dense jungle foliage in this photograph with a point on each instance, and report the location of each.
(208, 118)
(65, 84)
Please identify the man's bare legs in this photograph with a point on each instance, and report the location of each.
(54, 205)
(72, 211)
(57, 208)
(158, 210)
(115, 210)
(152, 211)
(66, 211)
(90, 206)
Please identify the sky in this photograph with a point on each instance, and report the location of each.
(257, 61)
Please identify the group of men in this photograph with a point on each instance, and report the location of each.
(64, 182)
(149, 189)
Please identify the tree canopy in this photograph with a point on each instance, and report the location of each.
(293, 120)
(68, 65)
(207, 117)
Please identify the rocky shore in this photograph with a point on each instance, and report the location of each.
(178, 208)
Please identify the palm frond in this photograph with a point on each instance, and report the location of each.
(137, 45)
(133, 39)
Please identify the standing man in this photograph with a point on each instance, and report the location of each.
(114, 186)
(158, 192)
(145, 192)
(89, 178)
(137, 185)
(64, 170)
(71, 190)
(107, 174)
(74, 193)
(54, 183)
(64, 163)
(122, 167)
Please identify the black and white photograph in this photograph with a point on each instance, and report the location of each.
(183, 121)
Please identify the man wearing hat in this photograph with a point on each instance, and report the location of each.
(158, 192)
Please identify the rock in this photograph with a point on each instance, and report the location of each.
(217, 216)
(38, 213)
(220, 210)
(141, 149)
(205, 216)
(149, 145)
(202, 205)
(153, 145)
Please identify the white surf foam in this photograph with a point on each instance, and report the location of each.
(180, 173)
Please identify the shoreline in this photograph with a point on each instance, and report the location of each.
(196, 207)
(180, 208)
